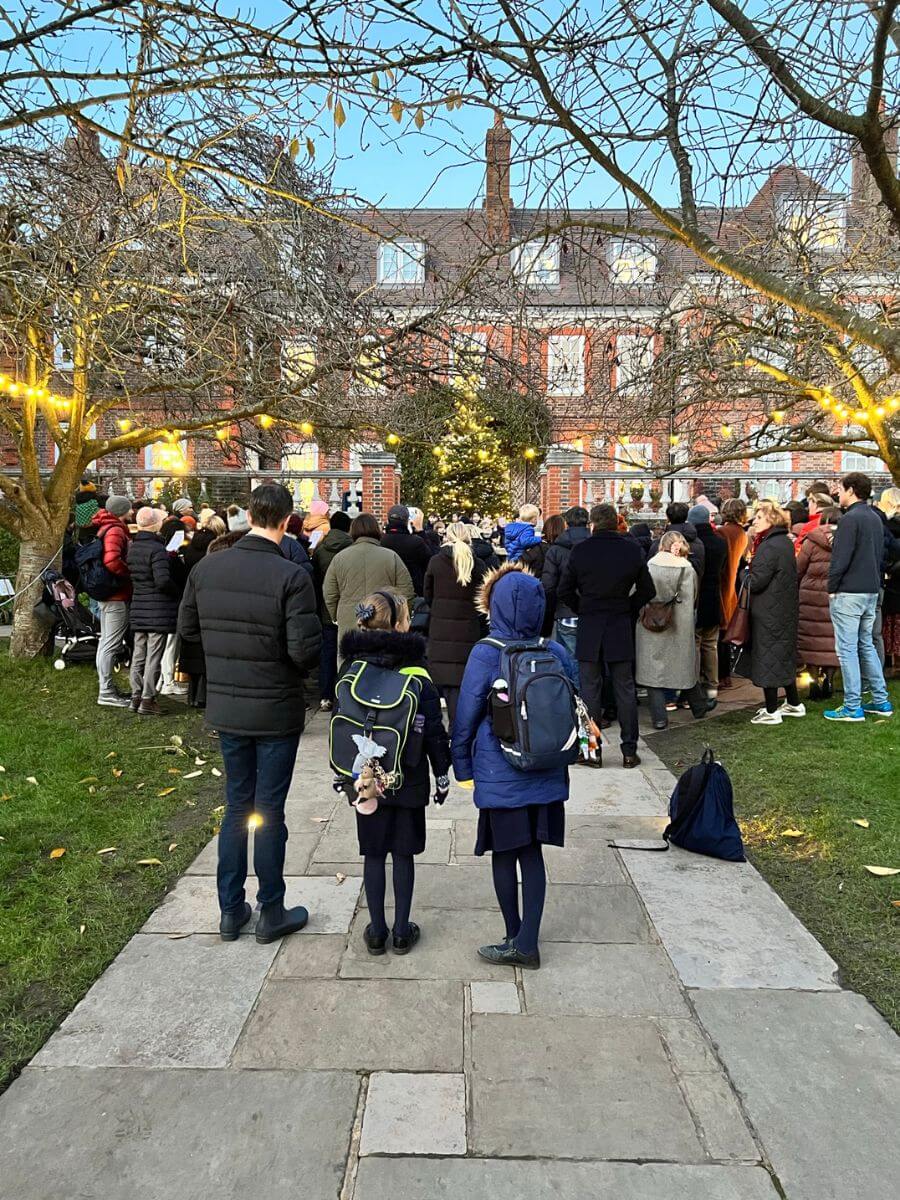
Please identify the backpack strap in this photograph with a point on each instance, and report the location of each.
(686, 811)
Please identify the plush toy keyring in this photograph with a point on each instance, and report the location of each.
(370, 780)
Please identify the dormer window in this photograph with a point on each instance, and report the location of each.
(536, 264)
(401, 264)
(816, 222)
(631, 262)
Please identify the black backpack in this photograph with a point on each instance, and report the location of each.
(96, 579)
(378, 704)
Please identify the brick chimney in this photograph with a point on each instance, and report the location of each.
(497, 149)
(864, 194)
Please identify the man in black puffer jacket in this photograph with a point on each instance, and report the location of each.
(255, 613)
(554, 564)
(154, 608)
(414, 553)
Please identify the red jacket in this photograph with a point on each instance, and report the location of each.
(115, 549)
(800, 531)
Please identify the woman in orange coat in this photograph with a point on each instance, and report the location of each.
(734, 514)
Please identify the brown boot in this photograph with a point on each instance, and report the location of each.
(150, 708)
(136, 702)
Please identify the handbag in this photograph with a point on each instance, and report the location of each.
(657, 615)
(738, 631)
(420, 619)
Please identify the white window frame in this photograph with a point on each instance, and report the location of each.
(565, 364)
(852, 460)
(150, 465)
(536, 264)
(819, 223)
(637, 350)
(169, 355)
(401, 263)
(780, 459)
(629, 460)
(632, 262)
(467, 347)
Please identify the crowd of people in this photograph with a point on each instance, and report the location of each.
(248, 604)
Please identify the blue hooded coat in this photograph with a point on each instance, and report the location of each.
(517, 537)
(515, 603)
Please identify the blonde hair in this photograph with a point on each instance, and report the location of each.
(773, 511)
(889, 501)
(459, 538)
(529, 513)
(674, 542)
(375, 612)
(215, 525)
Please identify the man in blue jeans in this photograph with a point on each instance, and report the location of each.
(255, 612)
(854, 581)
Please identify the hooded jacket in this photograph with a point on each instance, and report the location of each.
(815, 632)
(554, 565)
(116, 539)
(514, 601)
(516, 537)
(391, 649)
(413, 552)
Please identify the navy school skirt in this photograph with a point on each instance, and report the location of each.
(514, 828)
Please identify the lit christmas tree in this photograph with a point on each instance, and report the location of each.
(474, 473)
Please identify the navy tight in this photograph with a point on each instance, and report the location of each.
(524, 929)
(374, 877)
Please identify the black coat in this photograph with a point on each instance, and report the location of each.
(606, 582)
(554, 565)
(484, 551)
(535, 559)
(196, 548)
(709, 599)
(455, 625)
(413, 552)
(431, 540)
(774, 610)
(696, 548)
(388, 648)
(155, 594)
(858, 552)
(892, 588)
(256, 615)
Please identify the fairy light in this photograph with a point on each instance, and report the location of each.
(778, 415)
(860, 414)
(223, 434)
(392, 439)
(674, 439)
(579, 445)
(264, 421)
(437, 451)
(483, 455)
(726, 431)
(530, 452)
(124, 425)
(307, 429)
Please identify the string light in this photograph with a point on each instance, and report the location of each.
(778, 415)
(307, 429)
(860, 414)
(264, 421)
(392, 439)
(11, 387)
(223, 434)
(483, 455)
(674, 439)
(530, 452)
(124, 425)
(437, 451)
(579, 445)
(726, 431)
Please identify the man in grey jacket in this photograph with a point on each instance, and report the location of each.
(854, 581)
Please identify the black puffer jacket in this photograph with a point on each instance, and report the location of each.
(892, 590)
(709, 599)
(774, 610)
(555, 564)
(196, 548)
(388, 648)
(256, 615)
(413, 551)
(154, 600)
(484, 551)
(455, 625)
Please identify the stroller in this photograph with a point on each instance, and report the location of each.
(73, 624)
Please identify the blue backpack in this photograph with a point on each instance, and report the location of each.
(96, 579)
(533, 707)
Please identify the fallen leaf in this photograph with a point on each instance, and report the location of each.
(172, 846)
(149, 862)
(58, 852)
(108, 850)
(81, 929)
(340, 878)
(792, 833)
(118, 772)
(5, 796)
(89, 779)
(220, 809)
(174, 937)
(882, 870)
(173, 771)
(176, 740)
(861, 822)
(138, 786)
(166, 792)
(200, 762)
(215, 771)
(31, 779)
(2, 770)
(92, 790)
(192, 775)
(896, 903)
(112, 754)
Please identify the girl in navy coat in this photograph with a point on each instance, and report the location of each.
(519, 811)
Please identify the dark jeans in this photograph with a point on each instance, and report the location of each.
(622, 676)
(258, 774)
(328, 661)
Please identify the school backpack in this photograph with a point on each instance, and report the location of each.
(533, 707)
(96, 579)
(701, 814)
(379, 705)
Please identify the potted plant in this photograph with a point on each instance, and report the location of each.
(656, 497)
(752, 493)
(637, 495)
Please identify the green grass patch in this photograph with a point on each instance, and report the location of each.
(818, 777)
(63, 920)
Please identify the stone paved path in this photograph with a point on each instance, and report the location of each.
(686, 1039)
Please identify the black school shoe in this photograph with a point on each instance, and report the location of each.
(403, 945)
(277, 921)
(508, 955)
(230, 924)
(375, 945)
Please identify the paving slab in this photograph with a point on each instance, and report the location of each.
(613, 791)
(414, 1114)
(722, 1124)
(490, 997)
(480, 1179)
(297, 854)
(302, 957)
(819, 1076)
(689, 1048)
(453, 886)
(164, 1003)
(192, 906)
(314, 814)
(125, 1132)
(576, 1087)
(586, 859)
(340, 844)
(448, 949)
(724, 927)
(355, 1025)
(594, 914)
(594, 980)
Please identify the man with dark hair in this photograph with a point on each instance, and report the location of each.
(255, 613)
(677, 518)
(412, 550)
(554, 564)
(854, 581)
(606, 581)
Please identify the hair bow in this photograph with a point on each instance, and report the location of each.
(365, 612)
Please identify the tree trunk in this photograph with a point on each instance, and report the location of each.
(31, 637)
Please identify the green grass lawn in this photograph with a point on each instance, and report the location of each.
(818, 777)
(62, 920)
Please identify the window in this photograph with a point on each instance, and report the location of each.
(778, 460)
(296, 459)
(468, 351)
(816, 222)
(565, 364)
(164, 347)
(401, 264)
(166, 457)
(852, 460)
(370, 369)
(537, 264)
(630, 459)
(62, 352)
(630, 261)
(298, 358)
(634, 358)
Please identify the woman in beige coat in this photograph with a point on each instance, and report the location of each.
(361, 569)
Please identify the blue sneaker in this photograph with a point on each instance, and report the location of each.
(879, 710)
(844, 714)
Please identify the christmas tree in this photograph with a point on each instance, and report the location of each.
(474, 472)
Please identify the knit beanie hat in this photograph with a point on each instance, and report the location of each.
(698, 515)
(237, 521)
(119, 506)
(182, 505)
(318, 508)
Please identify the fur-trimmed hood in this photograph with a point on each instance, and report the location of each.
(513, 600)
(384, 648)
